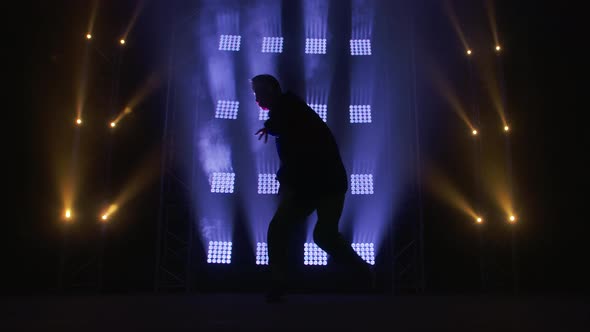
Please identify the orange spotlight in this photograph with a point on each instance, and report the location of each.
(78, 121)
(474, 132)
(512, 219)
(68, 214)
(113, 124)
(506, 128)
(479, 220)
(498, 48)
(122, 41)
(88, 36)
(469, 52)
(111, 209)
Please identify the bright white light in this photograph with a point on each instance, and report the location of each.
(227, 109)
(366, 251)
(315, 46)
(222, 183)
(314, 255)
(272, 45)
(268, 184)
(219, 252)
(360, 47)
(261, 253)
(262, 115)
(361, 184)
(321, 110)
(229, 42)
(360, 113)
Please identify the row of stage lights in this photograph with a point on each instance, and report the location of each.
(68, 215)
(112, 124)
(498, 49)
(475, 132)
(511, 219)
(121, 41)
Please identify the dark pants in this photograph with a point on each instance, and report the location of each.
(295, 208)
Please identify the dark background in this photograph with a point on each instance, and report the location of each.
(543, 55)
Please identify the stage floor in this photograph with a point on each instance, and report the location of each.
(249, 312)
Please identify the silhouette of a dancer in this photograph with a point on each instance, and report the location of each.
(312, 177)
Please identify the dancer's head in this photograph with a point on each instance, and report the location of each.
(267, 90)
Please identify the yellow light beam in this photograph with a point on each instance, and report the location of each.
(492, 20)
(146, 88)
(136, 12)
(455, 23)
(441, 186)
(92, 19)
(106, 215)
(445, 89)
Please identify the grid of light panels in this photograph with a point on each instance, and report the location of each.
(366, 251)
(261, 253)
(321, 110)
(361, 184)
(272, 45)
(360, 47)
(229, 42)
(268, 184)
(360, 113)
(315, 46)
(219, 252)
(314, 255)
(227, 109)
(222, 183)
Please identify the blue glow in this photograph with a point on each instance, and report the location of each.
(222, 183)
(268, 184)
(227, 109)
(315, 46)
(361, 184)
(360, 47)
(314, 255)
(229, 43)
(360, 113)
(261, 253)
(272, 45)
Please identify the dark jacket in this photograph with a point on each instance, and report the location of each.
(310, 160)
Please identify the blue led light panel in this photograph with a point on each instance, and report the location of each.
(366, 251)
(361, 184)
(227, 109)
(261, 253)
(360, 113)
(360, 47)
(268, 184)
(262, 115)
(222, 183)
(321, 110)
(229, 43)
(272, 45)
(314, 255)
(219, 252)
(315, 46)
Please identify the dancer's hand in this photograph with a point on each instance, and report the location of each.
(262, 132)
